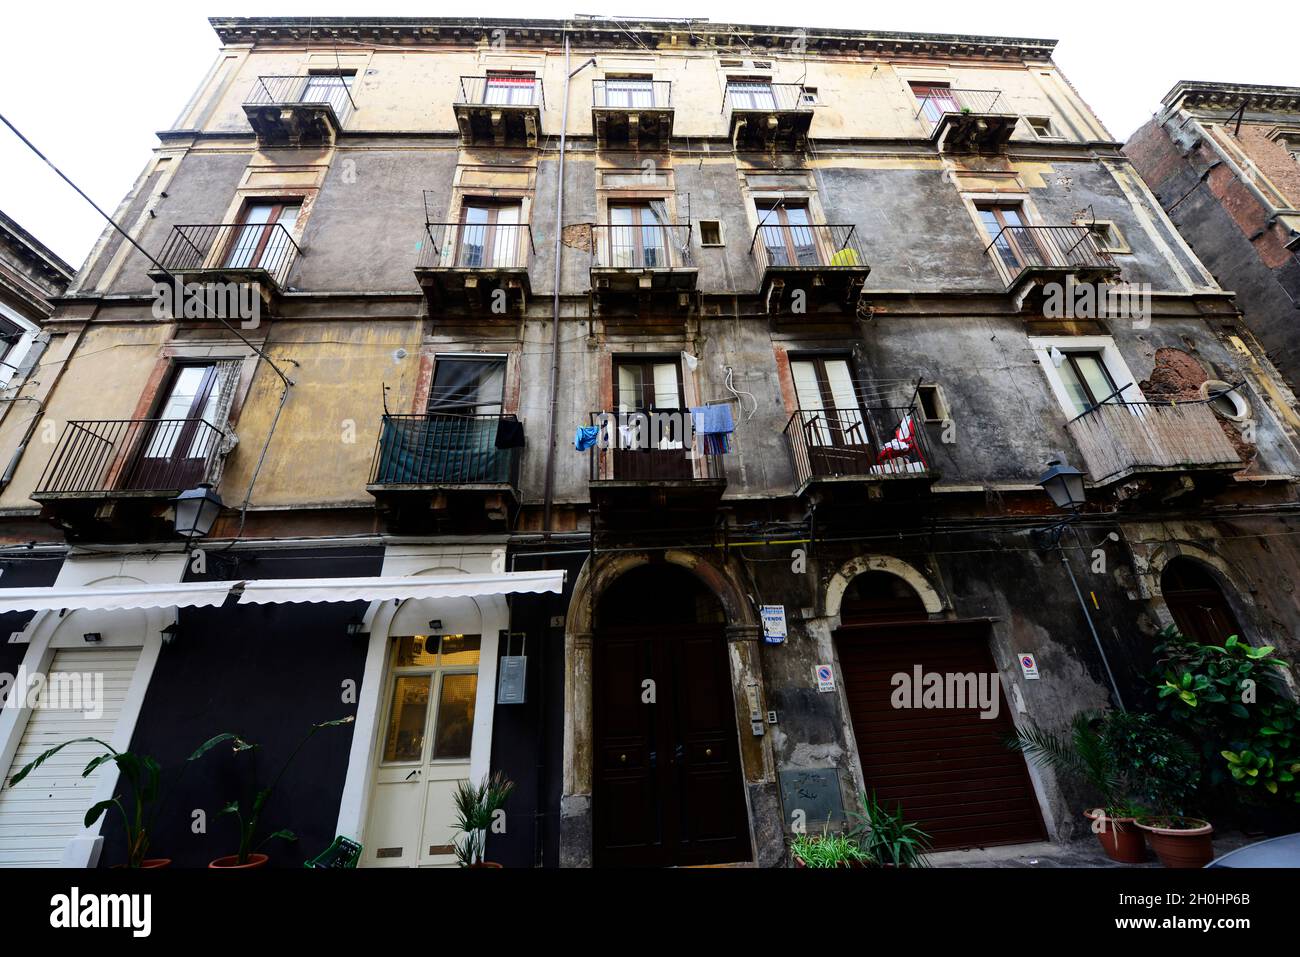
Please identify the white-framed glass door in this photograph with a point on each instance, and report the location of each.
(424, 753)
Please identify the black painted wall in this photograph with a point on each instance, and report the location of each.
(21, 572)
(528, 739)
(267, 673)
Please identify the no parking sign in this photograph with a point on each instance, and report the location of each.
(825, 678)
(1028, 665)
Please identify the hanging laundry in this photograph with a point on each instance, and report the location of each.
(903, 442)
(510, 433)
(714, 425)
(586, 437)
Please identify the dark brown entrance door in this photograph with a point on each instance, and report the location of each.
(1196, 601)
(949, 767)
(668, 787)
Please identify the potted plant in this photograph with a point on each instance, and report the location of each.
(827, 850)
(1088, 752)
(248, 856)
(142, 773)
(887, 839)
(476, 810)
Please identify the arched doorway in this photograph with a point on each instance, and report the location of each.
(1197, 603)
(929, 718)
(667, 782)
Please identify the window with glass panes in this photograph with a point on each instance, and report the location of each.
(431, 711)
(1087, 380)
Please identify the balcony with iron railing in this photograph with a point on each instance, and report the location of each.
(499, 110)
(820, 264)
(1120, 439)
(654, 462)
(858, 443)
(1029, 254)
(117, 476)
(642, 264)
(460, 467)
(762, 115)
(293, 110)
(479, 266)
(258, 253)
(967, 121)
(631, 113)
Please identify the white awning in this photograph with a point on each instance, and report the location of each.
(269, 591)
(274, 591)
(114, 597)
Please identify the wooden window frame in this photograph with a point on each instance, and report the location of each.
(647, 382)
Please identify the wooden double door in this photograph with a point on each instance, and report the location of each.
(668, 787)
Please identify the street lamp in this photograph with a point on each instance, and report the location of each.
(1064, 484)
(196, 510)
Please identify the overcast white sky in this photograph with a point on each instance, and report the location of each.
(90, 82)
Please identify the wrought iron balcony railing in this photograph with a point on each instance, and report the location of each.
(1017, 249)
(444, 449)
(131, 456)
(653, 446)
(503, 90)
(1119, 438)
(872, 442)
(807, 247)
(314, 89)
(947, 102)
(632, 94)
(231, 247)
(641, 247)
(763, 97)
(476, 246)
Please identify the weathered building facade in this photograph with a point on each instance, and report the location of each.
(756, 339)
(1223, 159)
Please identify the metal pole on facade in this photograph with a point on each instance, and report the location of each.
(1078, 593)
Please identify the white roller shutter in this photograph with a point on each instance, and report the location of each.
(45, 811)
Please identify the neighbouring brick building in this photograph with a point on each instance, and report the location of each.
(1223, 159)
(628, 402)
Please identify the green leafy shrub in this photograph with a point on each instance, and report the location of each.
(1128, 759)
(885, 836)
(828, 850)
(1232, 699)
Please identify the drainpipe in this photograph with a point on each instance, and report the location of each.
(549, 494)
(12, 467)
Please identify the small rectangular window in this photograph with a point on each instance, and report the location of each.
(710, 232)
(1108, 237)
(934, 408)
(808, 96)
(1042, 127)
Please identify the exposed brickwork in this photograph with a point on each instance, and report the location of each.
(1272, 158)
(1178, 375)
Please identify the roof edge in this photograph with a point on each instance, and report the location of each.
(696, 33)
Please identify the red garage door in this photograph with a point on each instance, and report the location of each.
(950, 768)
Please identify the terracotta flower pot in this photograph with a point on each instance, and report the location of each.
(1190, 845)
(230, 862)
(1120, 838)
(148, 862)
(487, 864)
